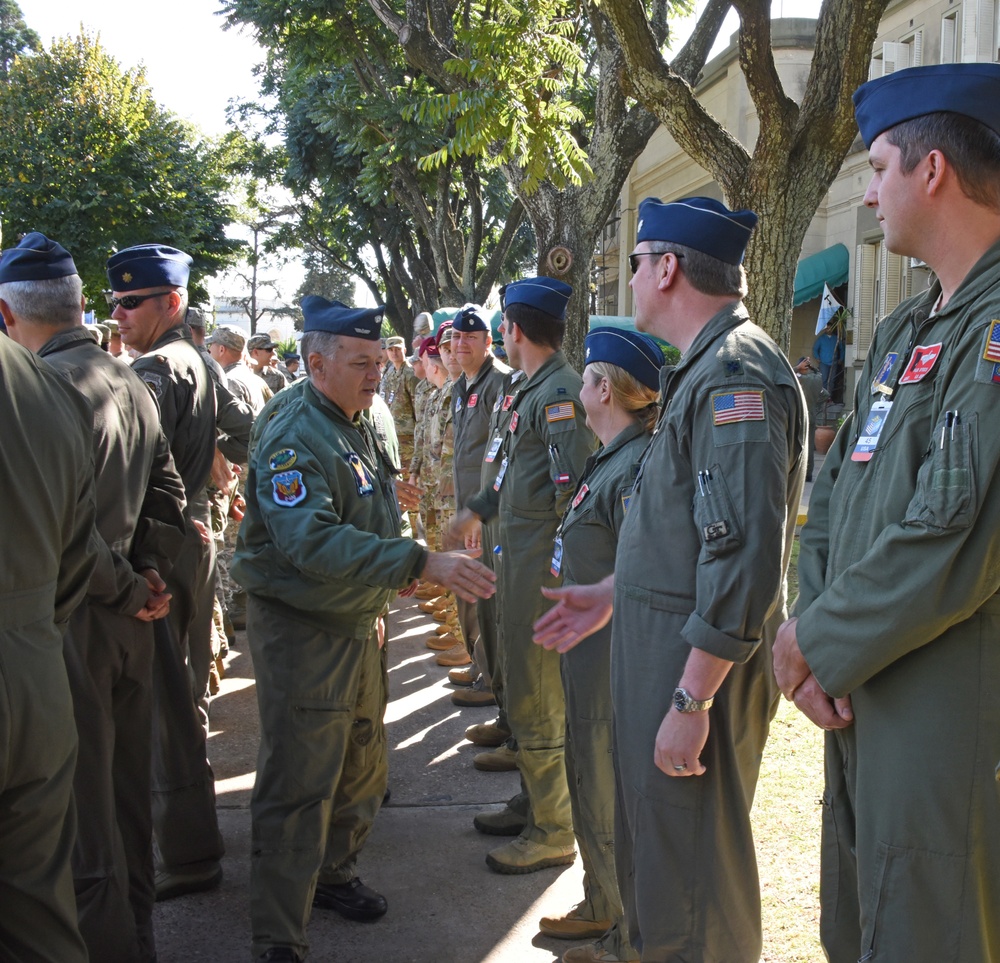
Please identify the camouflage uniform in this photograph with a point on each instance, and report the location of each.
(398, 389)
(421, 402)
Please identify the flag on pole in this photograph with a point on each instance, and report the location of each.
(828, 307)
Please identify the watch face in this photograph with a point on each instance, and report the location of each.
(680, 702)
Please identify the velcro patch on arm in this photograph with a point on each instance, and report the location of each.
(730, 407)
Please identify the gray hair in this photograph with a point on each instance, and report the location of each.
(707, 274)
(318, 342)
(52, 301)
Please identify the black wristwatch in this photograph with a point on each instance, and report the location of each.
(684, 703)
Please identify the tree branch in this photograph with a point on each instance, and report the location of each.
(775, 109)
(671, 98)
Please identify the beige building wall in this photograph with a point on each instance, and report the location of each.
(912, 33)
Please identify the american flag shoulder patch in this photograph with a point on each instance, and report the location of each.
(992, 350)
(563, 411)
(729, 407)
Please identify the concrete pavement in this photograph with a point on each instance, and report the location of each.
(445, 905)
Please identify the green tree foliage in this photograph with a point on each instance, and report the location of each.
(91, 160)
(346, 109)
(16, 37)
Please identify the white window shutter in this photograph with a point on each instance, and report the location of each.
(948, 26)
(890, 57)
(864, 299)
(970, 31)
(917, 49)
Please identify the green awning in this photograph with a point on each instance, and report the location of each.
(831, 266)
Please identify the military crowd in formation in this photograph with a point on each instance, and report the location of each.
(605, 554)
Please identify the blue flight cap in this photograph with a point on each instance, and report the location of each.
(36, 258)
(969, 89)
(546, 294)
(334, 317)
(290, 356)
(471, 318)
(634, 352)
(702, 223)
(148, 266)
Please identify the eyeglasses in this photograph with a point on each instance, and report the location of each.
(633, 259)
(131, 301)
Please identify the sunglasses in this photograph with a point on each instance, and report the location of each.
(131, 301)
(633, 259)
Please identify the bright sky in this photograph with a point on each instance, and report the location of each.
(193, 66)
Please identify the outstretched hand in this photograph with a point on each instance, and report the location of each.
(459, 571)
(580, 611)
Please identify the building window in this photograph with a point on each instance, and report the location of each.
(881, 281)
(898, 55)
(951, 52)
(979, 31)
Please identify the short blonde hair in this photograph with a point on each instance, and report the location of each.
(630, 393)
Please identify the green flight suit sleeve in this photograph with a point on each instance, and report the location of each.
(739, 512)
(234, 419)
(938, 563)
(160, 529)
(568, 440)
(314, 535)
(814, 539)
(80, 541)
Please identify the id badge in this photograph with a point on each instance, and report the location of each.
(874, 423)
(494, 448)
(557, 552)
(500, 474)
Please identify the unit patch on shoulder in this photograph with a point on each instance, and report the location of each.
(282, 459)
(733, 366)
(154, 382)
(563, 411)
(729, 407)
(289, 489)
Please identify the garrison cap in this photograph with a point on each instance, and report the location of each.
(291, 356)
(229, 336)
(335, 317)
(262, 341)
(547, 294)
(395, 342)
(702, 223)
(634, 352)
(471, 318)
(969, 89)
(148, 266)
(36, 258)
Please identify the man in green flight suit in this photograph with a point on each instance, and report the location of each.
(321, 556)
(49, 551)
(541, 457)
(894, 646)
(698, 582)
(109, 643)
(149, 297)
